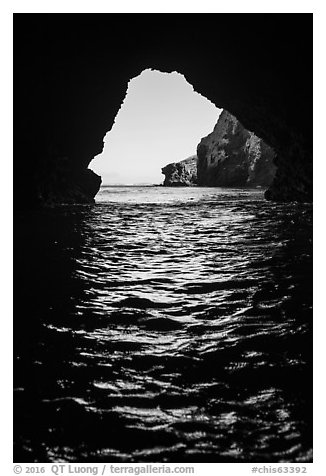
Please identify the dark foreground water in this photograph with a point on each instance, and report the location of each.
(164, 325)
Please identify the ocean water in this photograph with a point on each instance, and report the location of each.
(164, 325)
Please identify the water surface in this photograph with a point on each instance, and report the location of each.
(164, 324)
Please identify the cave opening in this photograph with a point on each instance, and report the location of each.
(161, 120)
(165, 127)
(68, 90)
(172, 323)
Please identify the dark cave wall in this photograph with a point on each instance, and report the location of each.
(71, 74)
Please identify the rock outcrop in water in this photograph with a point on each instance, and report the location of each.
(183, 173)
(232, 156)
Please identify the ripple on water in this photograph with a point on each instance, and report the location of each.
(169, 325)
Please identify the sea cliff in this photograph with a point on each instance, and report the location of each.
(232, 156)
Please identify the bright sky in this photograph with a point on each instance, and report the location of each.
(161, 120)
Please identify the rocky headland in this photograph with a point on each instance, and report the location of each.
(181, 174)
(231, 156)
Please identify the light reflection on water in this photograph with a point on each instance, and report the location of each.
(164, 325)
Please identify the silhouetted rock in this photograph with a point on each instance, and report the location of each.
(293, 178)
(57, 183)
(183, 173)
(231, 156)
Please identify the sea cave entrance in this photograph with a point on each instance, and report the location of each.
(161, 121)
(165, 127)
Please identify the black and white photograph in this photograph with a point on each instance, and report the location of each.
(163, 244)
